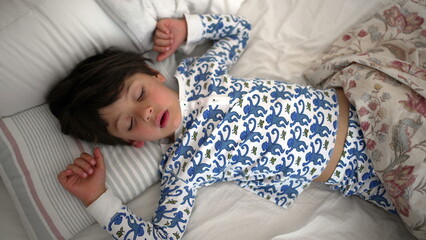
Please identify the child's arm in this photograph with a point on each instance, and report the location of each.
(85, 178)
(230, 35)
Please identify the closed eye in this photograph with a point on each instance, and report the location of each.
(132, 119)
(131, 124)
(141, 95)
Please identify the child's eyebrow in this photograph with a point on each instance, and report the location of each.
(128, 85)
(116, 122)
(125, 95)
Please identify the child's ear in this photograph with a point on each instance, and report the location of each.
(137, 144)
(160, 77)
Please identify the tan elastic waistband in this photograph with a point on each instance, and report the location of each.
(342, 130)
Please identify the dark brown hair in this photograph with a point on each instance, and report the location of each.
(94, 83)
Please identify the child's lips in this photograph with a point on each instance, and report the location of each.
(162, 119)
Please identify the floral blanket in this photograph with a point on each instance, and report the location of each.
(381, 65)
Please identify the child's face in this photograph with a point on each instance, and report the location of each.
(146, 110)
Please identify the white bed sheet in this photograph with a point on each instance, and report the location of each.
(287, 36)
(225, 211)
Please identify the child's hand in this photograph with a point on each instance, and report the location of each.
(85, 178)
(168, 36)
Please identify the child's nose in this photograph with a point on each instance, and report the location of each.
(147, 113)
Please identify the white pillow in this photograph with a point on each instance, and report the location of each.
(33, 151)
(41, 41)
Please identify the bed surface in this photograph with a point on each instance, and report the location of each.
(287, 36)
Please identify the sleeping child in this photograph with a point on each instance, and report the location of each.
(271, 138)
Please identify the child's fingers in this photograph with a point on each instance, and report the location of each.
(89, 158)
(161, 49)
(163, 25)
(62, 176)
(163, 42)
(162, 35)
(163, 55)
(77, 170)
(99, 158)
(84, 164)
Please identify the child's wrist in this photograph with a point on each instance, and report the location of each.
(185, 28)
(93, 197)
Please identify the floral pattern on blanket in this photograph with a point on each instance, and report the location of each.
(381, 65)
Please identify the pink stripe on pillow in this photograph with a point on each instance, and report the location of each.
(28, 179)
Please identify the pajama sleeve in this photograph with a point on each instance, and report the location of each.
(169, 221)
(230, 34)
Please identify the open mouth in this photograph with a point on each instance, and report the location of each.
(164, 119)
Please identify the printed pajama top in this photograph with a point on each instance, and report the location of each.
(271, 138)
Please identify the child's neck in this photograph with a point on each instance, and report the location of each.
(169, 139)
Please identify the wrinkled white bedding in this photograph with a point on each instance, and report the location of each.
(287, 36)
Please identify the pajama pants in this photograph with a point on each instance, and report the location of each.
(354, 174)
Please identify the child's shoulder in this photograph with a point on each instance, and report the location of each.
(185, 66)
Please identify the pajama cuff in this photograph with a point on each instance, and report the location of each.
(194, 28)
(105, 207)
